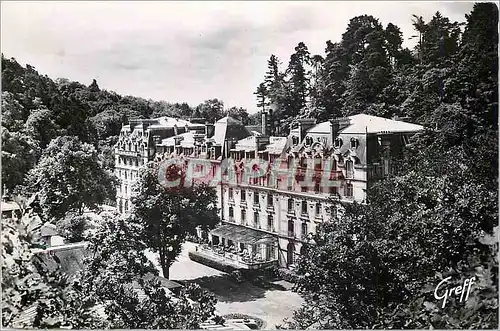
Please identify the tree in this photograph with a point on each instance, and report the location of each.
(19, 154)
(371, 70)
(72, 227)
(168, 213)
(116, 273)
(261, 94)
(70, 177)
(12, 112)
(299, 79)
(440, 40)
(41, 127)
(212, 110)
(419, 26)
(111, 291)
(476, 66)
(331, 83)
(372, 268)
(238, 113)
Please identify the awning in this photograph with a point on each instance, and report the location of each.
(242, 234)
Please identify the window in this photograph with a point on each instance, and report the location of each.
(349, 190)
(270, 201)
(243, 195)
(318, 209)
(316, 187)
(270, 223)
(230, 194)
(304, 229)
(303, 162)
(304, 207)
(291, 231)
(243, 216)
(231, 212)
(349, 169)
(354, 143)
(256, 198)
(303, 189)
(125, 174)
(338, 142)
(256, 219)
(333, 190)
(290, 205)
(317, 163)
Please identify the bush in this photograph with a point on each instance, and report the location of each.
(72, 227)
(287, 274)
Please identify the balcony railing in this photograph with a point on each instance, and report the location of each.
(236, 260)
(128, 153)
(270, 228)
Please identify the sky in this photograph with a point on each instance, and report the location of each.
(186, 51)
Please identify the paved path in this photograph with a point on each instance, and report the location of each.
(271, 305)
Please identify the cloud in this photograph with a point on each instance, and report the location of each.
(184, 51)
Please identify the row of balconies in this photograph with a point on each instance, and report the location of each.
(128, 153)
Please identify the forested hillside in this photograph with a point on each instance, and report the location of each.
(436, 219)
(36, 109)
(369, 71)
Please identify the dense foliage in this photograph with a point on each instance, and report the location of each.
(69, 177)
(37, 109)
(168, 213)
(377, 264)
(110, 292)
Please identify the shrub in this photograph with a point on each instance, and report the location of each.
(288, 275)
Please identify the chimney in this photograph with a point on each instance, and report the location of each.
(338, 124)
(264, 124)
(304, 125)
(209, 130)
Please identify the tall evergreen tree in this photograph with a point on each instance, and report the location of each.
(299, 75)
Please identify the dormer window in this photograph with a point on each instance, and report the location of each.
(295, 140)
(309, 141)
(338, 143)
(354, 143)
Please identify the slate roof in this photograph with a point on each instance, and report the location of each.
(362, 123)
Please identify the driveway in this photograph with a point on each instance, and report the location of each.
(271, 305)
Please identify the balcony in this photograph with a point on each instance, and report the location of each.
(223, 258)
(127, 153)
(270, 228)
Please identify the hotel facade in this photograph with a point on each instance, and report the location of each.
(272, 191)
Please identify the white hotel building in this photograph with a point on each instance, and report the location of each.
(268, 215)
